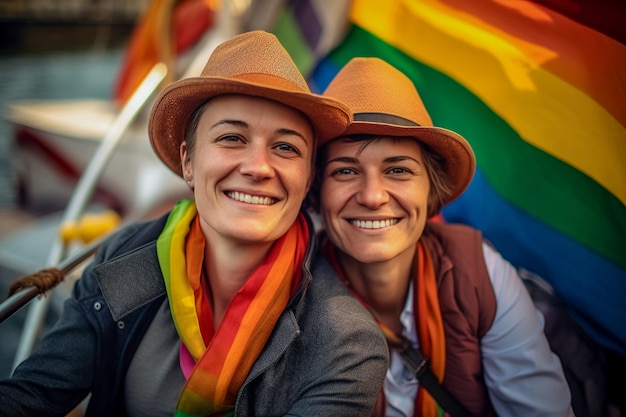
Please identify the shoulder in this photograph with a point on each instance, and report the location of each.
(326, 289)
(456, 247)
(325, 280)
(337, 329)
(464, 286)
(333, 355)
(452, 235)
(130, 237)
(126, 269)
(334, 311)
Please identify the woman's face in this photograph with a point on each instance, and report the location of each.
(250, 168)
(374, 197)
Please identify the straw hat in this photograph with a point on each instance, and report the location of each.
(254, 64)
(385, 102)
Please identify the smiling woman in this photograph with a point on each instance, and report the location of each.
(435, 289)
(220, 292)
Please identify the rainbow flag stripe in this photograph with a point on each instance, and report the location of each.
(540, 95)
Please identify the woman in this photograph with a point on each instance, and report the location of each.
(437, 287)
(212, 309)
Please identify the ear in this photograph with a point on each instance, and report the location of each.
(185, 162)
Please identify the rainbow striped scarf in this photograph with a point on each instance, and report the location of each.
(225, 355)
(427, 316)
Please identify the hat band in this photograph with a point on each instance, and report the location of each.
(385, 118)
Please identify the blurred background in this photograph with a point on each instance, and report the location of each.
(51, 49)
(58, 49)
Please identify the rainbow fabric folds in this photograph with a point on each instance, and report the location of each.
(541, 97)
(223, 356)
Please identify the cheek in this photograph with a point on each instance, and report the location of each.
(310, 177)
(304, 178)
(330, 204)
(297, 181)
(420, 195)
(324, 197)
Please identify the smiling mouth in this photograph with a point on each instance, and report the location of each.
(373, 224)
(251, 199)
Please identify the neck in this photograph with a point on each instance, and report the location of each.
(227, 266)
(383, 285)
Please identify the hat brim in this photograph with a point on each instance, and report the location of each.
(459, 160)
(176, 103)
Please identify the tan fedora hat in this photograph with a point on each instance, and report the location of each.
(385, 102)
(254, 64)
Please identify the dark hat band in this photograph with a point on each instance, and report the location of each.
(385, 118)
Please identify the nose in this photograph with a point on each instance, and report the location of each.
(372, 193)
(257, 164)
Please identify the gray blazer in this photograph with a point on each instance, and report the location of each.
(325, 357)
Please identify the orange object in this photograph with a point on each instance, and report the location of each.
(167, 28)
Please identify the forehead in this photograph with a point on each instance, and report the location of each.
(256, 109)
(376, 146)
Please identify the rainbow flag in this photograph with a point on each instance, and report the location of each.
(540, 94)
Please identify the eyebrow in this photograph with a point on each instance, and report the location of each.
(241, 123)
(400, 159)
(285, 131)
(345, 159)
(390, 160)
(233, 122)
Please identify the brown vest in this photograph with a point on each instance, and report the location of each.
(468, 308)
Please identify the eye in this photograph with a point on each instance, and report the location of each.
(229, 138)
(399, 171)
(287, 148)
(342, 172)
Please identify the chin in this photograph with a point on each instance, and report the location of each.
(254, 233)
(372, 256)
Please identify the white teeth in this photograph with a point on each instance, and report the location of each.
(250, 199)
(374, 224)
